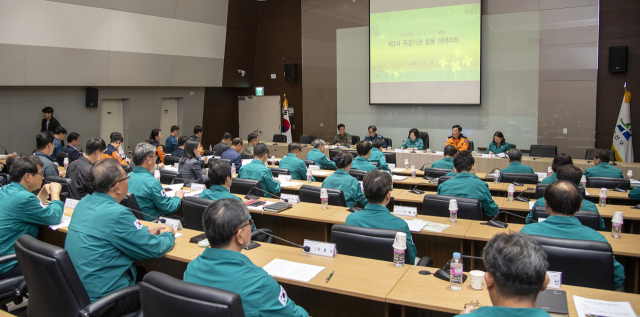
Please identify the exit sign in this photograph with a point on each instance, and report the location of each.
(259, 91)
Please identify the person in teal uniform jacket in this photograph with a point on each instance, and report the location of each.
(572, 174)
(516, 274)
(558, 161)
(447, 162)
(498, 145)
(361, 162)
(151, 198)
(563, 200)
(413, 142)
(297, 168)
(372, 135)
(466, 184)
(171, 143)
(515, 164)
(342, 180)
(379, 157)
(601, 166)
(105, 239)
(377, 188)
(22, 212)
(317, 155)
(257, 170)
(227, 226)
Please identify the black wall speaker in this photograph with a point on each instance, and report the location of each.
(92, 98)
(618, 59)
(290, 72)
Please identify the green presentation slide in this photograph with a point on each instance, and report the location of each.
(432, 44)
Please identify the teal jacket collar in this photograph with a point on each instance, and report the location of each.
(464, 175)
(515, 163)
(375, 208)
(141, 170)
(214, 254)
(564, 220)
(340, 172)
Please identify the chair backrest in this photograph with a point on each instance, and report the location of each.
(307, 163)
(54, 286)
(334, 152)
(587, 218)
(60, 158)
(583, 263)
(389, 142)
(608, 182)
(311, 194)
(4, 179)
(524, 178)
(207, 152)
(355, 139)
(279, 171)
(589, 154)
(169, 160)
(358, 174)
(363, 242)
(512, 145)
(438, 205)
(443, 179)
(246, 156)
(436, 172)
(130, 201)
(280, 138)
(192, 210)
(390, 157)
(542, 187)
(374, 164)
(167, 176)
(162, 296)
(472, 147)
(307, 139)
(67, 186)
(243, 185)
(425, 139)
(543, 150)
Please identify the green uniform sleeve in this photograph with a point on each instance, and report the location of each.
(634, 194)
(32, 211)
(358, 194)
(325, 163)
(382, 162)
(420, 144)
(276, 302)
(507, 147)
(271, 185)
(165, 204)
(490, 207)
(488, 149)
(137, 243)
(618, 273)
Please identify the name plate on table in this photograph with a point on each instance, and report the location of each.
(391, 165)
(174, 223)
(487, 155)
(314, 167)
(195, 186)
(398, 150)
(439, 153)
(555, 279)
(70, 203)
(405, 211)
(293, 199)
(285, 178)
(320, 248)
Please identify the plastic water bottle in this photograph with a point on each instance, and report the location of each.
(603, 197)
(399, 246)
(583, 181)
(233, 169)
(549, 171)
(156, 174)
(210, 148)
(456, 272)
(65, 162)
(496, 178)
(309, 175)
(273, 160)
(616, 224)
(324, 198)
(398, 257)
(413, 171)
(511, 191)
(629, 174)
(406, 164)
(453, 210)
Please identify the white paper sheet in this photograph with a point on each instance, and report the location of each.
(170, 190)
(292, 270)
(289, 184)
(261, 207)
(398, 170)
(193, 193)
(503, 155)
(593, 307)
(63, 223)
(321, 173)
(531, 203)
(416, 225)
(399, 178)
(245, 162)
(439, 153)
(391, 165)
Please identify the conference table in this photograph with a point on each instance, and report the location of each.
(358, 287)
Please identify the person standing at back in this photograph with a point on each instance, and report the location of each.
(49, 123)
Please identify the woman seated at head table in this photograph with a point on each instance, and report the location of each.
(499, 144)
(413, 142)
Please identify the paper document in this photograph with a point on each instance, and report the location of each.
(208, 157)
(177, 235)
(170, 168)
(292, 270)
(391, 165)
(321, 173)
(63, 223)
(261, 207)
(435, 227)
(170, 190)
(586, 193)
(415, 225)
(541, 175)
(245, 162)
(635, 182)
(399, 178)
(439, 153)
(531, 203)
(398, 170)
(289, 184)
(593, 307)
(503, 155)
(193, 193)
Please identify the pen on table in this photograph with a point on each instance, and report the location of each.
(328, 278)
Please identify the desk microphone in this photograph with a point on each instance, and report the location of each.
(515, 182)
(142, 213)
(426, 176)
(250, 196)
(5, 150)
(523, 199)
(305, 248)
(618, 189)
(422, 168)
(417, 191)
(500, 224)
(445, 274)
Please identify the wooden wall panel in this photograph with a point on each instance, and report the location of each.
(240, 49)
(220, 113)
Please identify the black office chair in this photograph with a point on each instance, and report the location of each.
(374, 164)
(279, 171)
(353, 153)
(280, 138)
(54, 286)
(390, 157)
(334, 152)
(543, 150)
(67, 186)
(587, 218)
(246, 156)
(207, 153)
(583, 263)
(307, 139)
(471, 146)
(513, 145)
(130, 202)
(438, 205)
(589, 155)
(524, 178)
(608, 182)
(221, 159)
(355, 139)
(167, 176)
(4, 179)
(127, 168)
(359, 175)
(435, 172)
(443, 179)
(162, 296)
(425, 139)
(311, 194)
(369, 243)
(307, 163)
(13, 288)
(192, 210)
(389, 142)
(243, 185)
(170, 160)
(542, 187)
(60, 158)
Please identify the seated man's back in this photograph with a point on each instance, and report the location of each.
(297, 167)
(515, 164)
(256, 170)
(317, 155)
